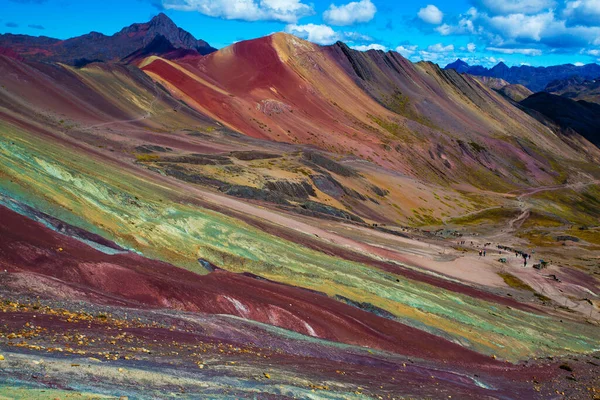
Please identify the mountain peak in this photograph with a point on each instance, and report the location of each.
(162, 20)
(459, 66)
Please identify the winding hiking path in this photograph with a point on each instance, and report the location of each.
(522, 205)
(148, 114)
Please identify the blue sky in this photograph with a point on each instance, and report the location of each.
(534, 32)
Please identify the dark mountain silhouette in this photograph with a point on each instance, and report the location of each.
(96, 46)
(570, 115)
(160, 46)
(534, 78)
(459, 66)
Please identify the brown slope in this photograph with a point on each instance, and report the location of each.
(417, 119)
(515, 92)
(494, 83)
(271, 88)
(85, 97)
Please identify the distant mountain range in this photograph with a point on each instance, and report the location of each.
(534, 78)
(576, 88)
(96, 46)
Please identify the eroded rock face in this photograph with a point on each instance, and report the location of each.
(151, 148)
(271, 106)
(253, 155)
(379, 191)
(201, 159)
(300, 190)
(328, 164)
(331, 211)
(182, 174)
(248, 192)
(328, 185)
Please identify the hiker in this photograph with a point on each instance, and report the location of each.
(479, 253)
(484, 253)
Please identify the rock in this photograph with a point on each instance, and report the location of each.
(300, 190)
(206, 265)
(200, 159)
(566, 367)
(564, 238)
(328, 185)
(248, 192)
(328, 210)
(253, 155)
(182, 174)
(328, 164)
(379, 191)
(150, 148)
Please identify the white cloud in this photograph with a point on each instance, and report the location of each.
(325, 35)
(594, 52)
(428, 56)
(471, 47)
(506, 7)
(440, 48)
(431, 15)
(351, 13)
(372, 46)
(406, 50)
(247, 10)
(545, 30)
(582, 12)
(444, 29)
(579, 64)
(321, 34)
(521, 26)
(527, 52)
(357, 37)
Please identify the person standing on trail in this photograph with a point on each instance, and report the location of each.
(479, 253)
(484, 253)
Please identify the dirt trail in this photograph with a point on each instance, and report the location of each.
(147, 115)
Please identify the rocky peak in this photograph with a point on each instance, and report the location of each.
(163, 22)
(458, 65)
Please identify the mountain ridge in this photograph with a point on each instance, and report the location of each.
(96, 46)
(534, 78)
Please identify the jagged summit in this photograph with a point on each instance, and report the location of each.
(100, 47)
(459, 65)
